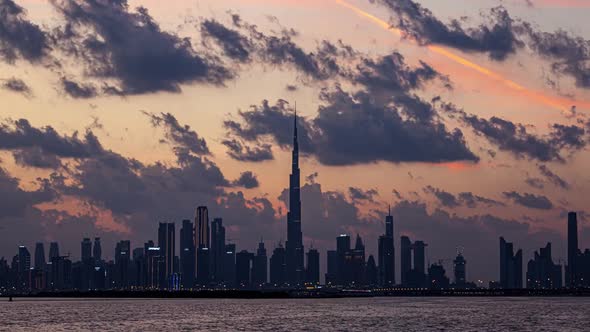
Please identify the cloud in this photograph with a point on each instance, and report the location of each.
(530, 200)
(235, 45)
(183, 137)
(78, 90)
(129, 48)
(352, 129)
(445, 198)
(238, 150)
(17, 85)
(19, 38)
(467, 199)
(358, 194)
(496, 38)
(38, 147)
(552, 177)
(247, 180)
(515, 138)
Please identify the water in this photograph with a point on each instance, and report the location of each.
(356, 314)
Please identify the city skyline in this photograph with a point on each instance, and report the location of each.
(115, 119)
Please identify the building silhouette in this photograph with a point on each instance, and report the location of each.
(460, 270)
(278, 266)
(53, 250)
(294, 245)
(510, 266)
(413, 263)
(167, 245)
(217, 249)
(187, 255)
(437, 278)
(244, 269)
(260, 266)
(39, 256)
(229, 265)
(97, 250)
(386, 254)
(572, 250)
(313, 267)
(332, 267)
(371, 272)
(542, 273)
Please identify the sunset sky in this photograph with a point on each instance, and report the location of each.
(468, 118)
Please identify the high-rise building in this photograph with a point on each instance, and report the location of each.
(86, 249)
(202, 227)
(229, 265)
(156, 269)
(572, 250)
(39, 256)
(313, 267)
(278, 269)
(460, 270)
(386, 254)
(23, 268)
(217, 249)
(355, 261)
(187, 254)
(510, 266)
(53, 250)
(203, 266)
(260, 266)
(406, 259)
(122, 263)
(343, 275)
(332, 267)
(97, 250)
(542, 273)
(167, 245)
(294, 245)
(371, 272)
(244, 268)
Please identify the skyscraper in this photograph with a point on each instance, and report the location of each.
(122, 263)
(406, 259)
(229, 265)
(313, 267)
(342, 248)
(187, 254)
(24, 268)
(294, 244)
(39, 256)
(167, 244)
(386, 254)
(53, 250)
(542, 273)
(202, 227)
(244, 268)
(217, 249)
(97, 250)
(460, 270)
(278, 269)
(260, 266)
(572, 250)
(510, 266)
(86, 249)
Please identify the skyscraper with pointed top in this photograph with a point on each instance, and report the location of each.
(294, 245)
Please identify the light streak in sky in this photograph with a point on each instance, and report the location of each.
(562, 104)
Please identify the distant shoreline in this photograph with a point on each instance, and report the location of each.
(305, 294)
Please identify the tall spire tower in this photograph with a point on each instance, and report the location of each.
(294, 244)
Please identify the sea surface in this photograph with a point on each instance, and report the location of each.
(355, 314)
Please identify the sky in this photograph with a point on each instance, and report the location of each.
(468, 120)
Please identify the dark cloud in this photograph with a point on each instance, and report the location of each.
(20, 38)
(467, 199)
(38, 147)
(16, 85)
(535, 182)
(358, 194)
(234, 44)
(515, 138)
(445, 198)
(182, 136)
(530, 200)
(36, 157)
(352, 129)
(129, 47)
(496, 38)
(239, 150)
(78, 90)
(247, 180)
(552, 177)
